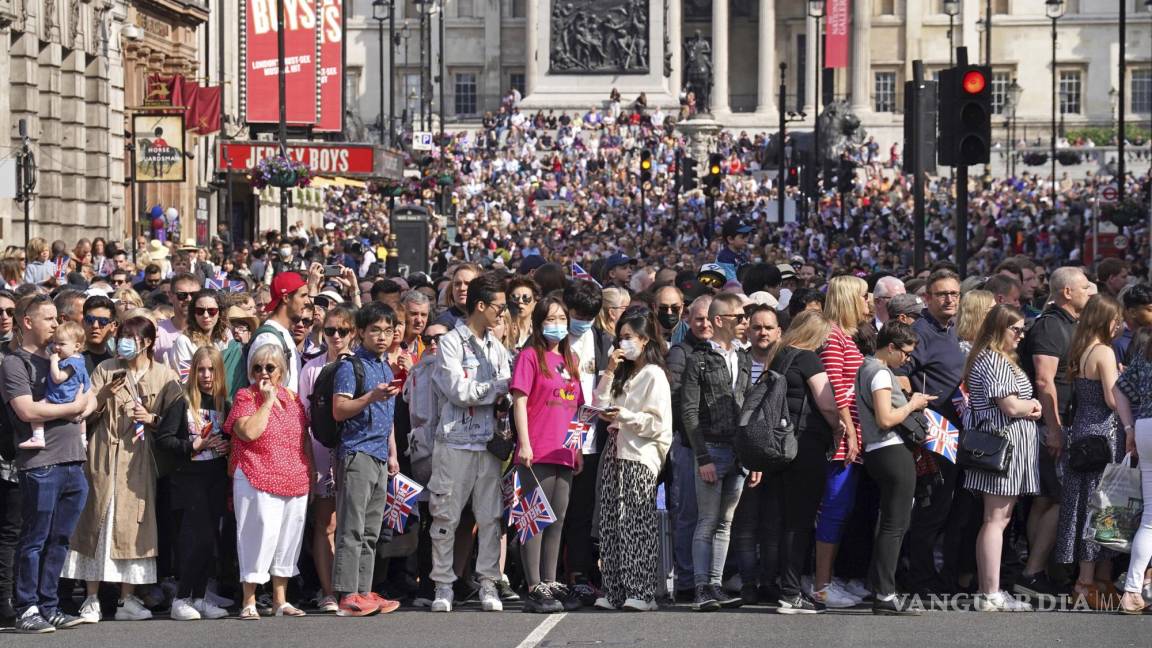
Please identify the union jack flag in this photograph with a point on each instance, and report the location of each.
(222, 284)
(943, 437)
(532, 514)
(574, 438)
(581, 273)
(960, 401)
(399, 502)
(512, 491)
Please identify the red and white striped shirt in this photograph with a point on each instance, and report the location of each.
(841, 361)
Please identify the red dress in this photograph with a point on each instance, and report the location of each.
(277, 462)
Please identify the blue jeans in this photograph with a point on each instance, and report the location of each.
(682, 507)
(839, 498)
(53, 498)
(715, 505)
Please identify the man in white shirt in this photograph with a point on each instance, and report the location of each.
(289, 301)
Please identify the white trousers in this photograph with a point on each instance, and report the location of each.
(269, 531)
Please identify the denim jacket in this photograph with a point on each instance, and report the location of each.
(470, 374)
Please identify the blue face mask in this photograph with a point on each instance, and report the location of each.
(577, 328)
(126, 348)
(554, 332)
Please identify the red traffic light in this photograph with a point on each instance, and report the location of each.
(974, 82)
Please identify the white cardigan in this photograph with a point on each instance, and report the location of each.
(645, 419)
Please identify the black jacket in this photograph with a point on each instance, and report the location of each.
(676, 360)
(711, 406)
(602, 342)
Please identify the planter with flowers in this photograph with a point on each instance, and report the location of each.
(280, 171)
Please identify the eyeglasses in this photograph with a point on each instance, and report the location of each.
(947, 295)
(1018, 331)
(669, 308)
(8, 312)
(431, 339)
(210, 312)
(523, 299)
(379, 331)
(264, 369)
(304, 321)
(183, 296)
(906, 353)
(99, 322)
(500, 308)
(240, 327)
(332, 331)
(119, 282)
(740, 317)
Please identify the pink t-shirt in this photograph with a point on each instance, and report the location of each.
(552, 404)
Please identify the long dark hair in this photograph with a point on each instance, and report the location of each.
(539, 344)
(642, 321)
(219, 332)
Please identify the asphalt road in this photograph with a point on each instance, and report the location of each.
(672, 626)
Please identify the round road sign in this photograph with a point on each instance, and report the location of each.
(1109, 193)
(1121, 242)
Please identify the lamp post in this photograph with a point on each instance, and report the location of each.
(1120, 94)
(785, 151)
(1054, 9)
(282, 93)
(816, 10)
(952, 9)
(381, 11)
(420, 8)
(988, 32)
(1014, 92)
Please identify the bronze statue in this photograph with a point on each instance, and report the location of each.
(698, 69)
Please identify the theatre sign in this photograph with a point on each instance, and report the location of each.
(335, 159)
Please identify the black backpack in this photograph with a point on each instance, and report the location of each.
(766, 436)
(325, 428)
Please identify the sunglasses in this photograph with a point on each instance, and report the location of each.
(431, 339)
(8, 312)
(668, 308)
(210, 312)
(264, 369)
(306, 321)
(101, 322)
(332, 331)
(322, 302)
(119, 282)
(523, 299)
(184, 296)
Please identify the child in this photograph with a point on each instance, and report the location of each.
(67, 377)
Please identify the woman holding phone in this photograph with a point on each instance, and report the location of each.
(637, 402)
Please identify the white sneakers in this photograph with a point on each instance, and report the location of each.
(490, 597)
(638, 605)
(183, 610)
(1000, 602)
(444, 598)
(328, 604)
(90, 610)
(833, 595)
(855, 587)
(132, 609)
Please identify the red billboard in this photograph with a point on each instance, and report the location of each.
(331, 66)
(321, 158)
(259, 70)
(839, 13)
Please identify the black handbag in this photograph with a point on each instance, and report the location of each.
(913, 429)
(503, 441)
(984, 449)
(1090, 454)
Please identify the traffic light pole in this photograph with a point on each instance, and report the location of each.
(780, 181)
(961, 188)
(917, 166)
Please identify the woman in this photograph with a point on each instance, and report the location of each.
(12, 273)
(1092, 369)
(545, 389)
(200, 486)
(846, 308)
(1133, 396)
(127, 300)
(522, 294)
(271, 457)
(39, 267)
(888, 459)
(800, 485)
(616, 300)
(100, 261)
(339, 334)
(116, 537)
(1000, 400)
(636, 400)
(974, 307)
(206, 327)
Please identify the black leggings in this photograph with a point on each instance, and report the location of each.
(200, 490)
(894, 471)
(800, 487)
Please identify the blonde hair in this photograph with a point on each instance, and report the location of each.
(974, 307)
(807, 331)
(613, 297)
(129, 295)
(35, 247)
(845, 305)
(219, 384)
(70, 331)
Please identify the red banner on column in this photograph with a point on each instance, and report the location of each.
(331, 66)
(838, 14)
(259, 67)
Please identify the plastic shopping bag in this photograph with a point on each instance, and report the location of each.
(1114, 509)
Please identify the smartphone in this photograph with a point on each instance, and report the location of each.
(397, 383)
(332, 270)
(118, 375)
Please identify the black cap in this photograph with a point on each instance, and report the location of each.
(530, 263)
(734, 226)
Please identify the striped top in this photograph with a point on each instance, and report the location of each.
(994, 377)
(841, 361)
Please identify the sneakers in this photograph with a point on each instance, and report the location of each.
(891, 607)
(32, 623)
(800, 604)
(357, 605)
(725, 599)
(834, 597)
(61, 620)
(569, 599)
(504, 589)
(490, 597)
(750, 595)
(603, 603)
(443, 600)
(328, 604)
(1000, 602)
(217, 600)
(207, 610)
(1036, 585)
(182, 610)
(586, 592)
(90, 610)
(638, 605)
(705, 600)
(386, 605)
(131, 608)
(540, 600)
(854, 587)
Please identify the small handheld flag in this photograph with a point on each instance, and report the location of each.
(532, 514)
(512, 491)
(580, 273)
(399, 501)
(943, 437)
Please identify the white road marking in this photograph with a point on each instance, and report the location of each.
(536, 636)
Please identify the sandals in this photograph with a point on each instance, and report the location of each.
(289, 610)
(249, 613)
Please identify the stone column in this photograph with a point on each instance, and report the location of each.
(675, 19)
(766, 73)
(811, 43)
(861, 56)
(531, 36)
(718, 99)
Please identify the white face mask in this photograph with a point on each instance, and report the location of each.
(631, 349)
(285, 253)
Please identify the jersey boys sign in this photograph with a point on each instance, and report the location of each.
(322, 159)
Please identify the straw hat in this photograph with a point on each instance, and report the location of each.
(157, 251)
(237, 314)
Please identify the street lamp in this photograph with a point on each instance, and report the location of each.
(1054, 9)
(1013, 99)
(952, 8)
(816, 10)
(382, 11)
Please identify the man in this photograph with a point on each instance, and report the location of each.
(714, 383)
(387, 291)
(368, 459)
(618, 270)
(471, 371)
(152, 278)
(182, 289)
(53, 487)
(592, 347)
(10, 504)
(1137, 315)
(99, 326)
(1044, 357)
(122, 262)
(458, 296)
(1005, 289)
(70, 306)
(936, 367)
(288, 304)
(304, 343)
(807, 276)
(417, 306)
(7, 316)
(682, 492)
(669, 309)
(905, 308)
(1112, 276)
(886, 288)
(734, 254)
(763, 332)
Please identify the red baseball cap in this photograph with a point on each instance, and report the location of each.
(284, 284)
